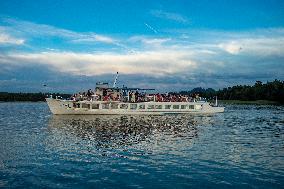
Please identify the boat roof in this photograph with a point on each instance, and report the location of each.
(128, 89)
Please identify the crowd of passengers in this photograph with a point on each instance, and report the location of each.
(133, 96)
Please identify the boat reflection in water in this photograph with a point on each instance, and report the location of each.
(104, 133)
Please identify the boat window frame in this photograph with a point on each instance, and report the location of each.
(133, 105)
(104, 105)
(168, 106)
(158, 107)
(114, 106)
(123, 106)
(150, 106)
(183, 106)
(176, 106)
(191, 107)
(141, 107)
(85, 105)
(97, 106)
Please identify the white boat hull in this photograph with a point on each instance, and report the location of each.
(63, 107)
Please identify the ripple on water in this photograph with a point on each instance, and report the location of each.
(242, 147)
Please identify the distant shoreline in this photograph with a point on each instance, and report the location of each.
(240, 102)
(28, 97)
(248, 102)
(259, 93)
(42, 101)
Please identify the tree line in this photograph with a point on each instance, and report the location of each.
(273, 91)
(33, 97)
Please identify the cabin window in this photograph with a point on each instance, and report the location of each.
(142, 106)
(114, 106)
(158, 106)
(191, 107)
(123, 106)
(198, 107)
(175, 106)
(133, 106)
(95, 106)
(67, 105)
(150, 106)
(168, 106)
(105, 106)
(85, 105)
(183, 106)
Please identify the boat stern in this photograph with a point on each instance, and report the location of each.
(212, 109)
(218, 109)
(54, 106)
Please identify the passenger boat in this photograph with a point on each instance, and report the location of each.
(121, 101)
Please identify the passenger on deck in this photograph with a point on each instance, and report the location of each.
(106, 98)
(89, 93)
(132, 97)
(136, 96)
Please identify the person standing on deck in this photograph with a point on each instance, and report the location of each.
(132, 97)
(136, 96)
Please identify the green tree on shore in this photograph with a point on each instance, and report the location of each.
(272, 91)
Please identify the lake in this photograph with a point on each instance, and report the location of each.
(241, 148)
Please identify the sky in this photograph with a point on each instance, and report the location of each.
(69, 45)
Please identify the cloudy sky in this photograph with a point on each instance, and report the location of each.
(167, 45)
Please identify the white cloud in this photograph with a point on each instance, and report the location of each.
(7, 39)
(264, 46)
(33, 30)
(232, 47)
(260, 42)
(147, 63)
(168, 54)
(94, 38)
(260, 46)
(149, 41)
(169, 16)
(160, 57)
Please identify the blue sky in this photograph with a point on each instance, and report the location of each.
(168, 45)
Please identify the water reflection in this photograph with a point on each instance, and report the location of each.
(123, 130)
(242, 147)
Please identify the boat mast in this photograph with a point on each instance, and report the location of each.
(115, 80)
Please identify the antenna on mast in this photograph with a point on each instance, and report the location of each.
(114, 83)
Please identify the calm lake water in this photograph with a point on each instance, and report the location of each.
(241, 148)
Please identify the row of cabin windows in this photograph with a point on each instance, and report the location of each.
(139, 106)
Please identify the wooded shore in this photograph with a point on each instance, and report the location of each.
(259, 93)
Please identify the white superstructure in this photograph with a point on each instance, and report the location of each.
(58, 106)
